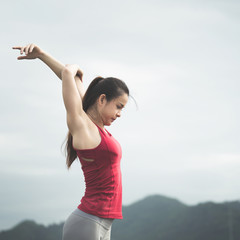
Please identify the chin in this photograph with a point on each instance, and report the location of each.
(108, 123)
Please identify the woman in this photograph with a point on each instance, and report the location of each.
(97, 150)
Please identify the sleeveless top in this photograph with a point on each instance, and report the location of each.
(103, 179)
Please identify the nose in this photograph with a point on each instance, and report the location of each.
(119, 114)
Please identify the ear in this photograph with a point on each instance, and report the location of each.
(102, 99)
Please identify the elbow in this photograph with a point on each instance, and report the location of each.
(66, 72)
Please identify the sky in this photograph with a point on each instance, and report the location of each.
(180, 60)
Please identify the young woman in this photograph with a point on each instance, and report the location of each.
(97, 150)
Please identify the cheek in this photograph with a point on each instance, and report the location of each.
(107, 112)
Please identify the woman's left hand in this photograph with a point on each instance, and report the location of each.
(31, 51)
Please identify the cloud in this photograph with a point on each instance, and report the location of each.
(180, 61)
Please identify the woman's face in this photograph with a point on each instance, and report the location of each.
(111, 110)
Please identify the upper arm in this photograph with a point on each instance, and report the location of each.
(72, 100)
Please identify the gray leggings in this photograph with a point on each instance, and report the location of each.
(84, 226)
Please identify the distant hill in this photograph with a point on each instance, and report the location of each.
(29, 230)
(154, 218)
(162, 218)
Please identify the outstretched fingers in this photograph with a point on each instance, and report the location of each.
(21, 52)
(21, 57)
(18, 48)
(25, 49)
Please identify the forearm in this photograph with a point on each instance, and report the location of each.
(52, 63)
(57, 67)
(32, 51)
(80, 87)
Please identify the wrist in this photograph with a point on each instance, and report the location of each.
(42, 55)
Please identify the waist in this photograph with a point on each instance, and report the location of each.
(106, 222)
(102, 205)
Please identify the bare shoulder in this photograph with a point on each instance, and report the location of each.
(86, 135)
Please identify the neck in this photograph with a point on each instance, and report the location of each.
(95, 117)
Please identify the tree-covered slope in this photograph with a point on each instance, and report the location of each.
(162, 218)
(154, 218)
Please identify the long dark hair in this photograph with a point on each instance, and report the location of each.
(112, 88)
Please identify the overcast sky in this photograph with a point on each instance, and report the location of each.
(180, 60)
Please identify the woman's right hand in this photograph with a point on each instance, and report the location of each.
(31, 51)
(73, 69)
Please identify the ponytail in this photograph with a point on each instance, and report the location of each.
(70, 152)
(90, 97)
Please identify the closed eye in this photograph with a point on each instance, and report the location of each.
(121, 106)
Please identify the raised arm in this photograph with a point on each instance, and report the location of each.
(71, 97)
(32, 51)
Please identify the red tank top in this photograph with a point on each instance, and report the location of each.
(103, 179)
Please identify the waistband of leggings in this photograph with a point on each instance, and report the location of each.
(106, 222)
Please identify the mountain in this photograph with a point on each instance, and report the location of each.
(158, 217)
(154, 218)
(29, 230)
